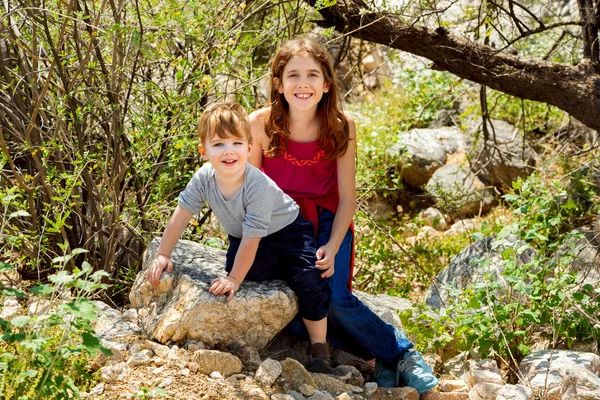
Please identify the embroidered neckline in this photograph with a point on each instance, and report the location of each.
(304, 163)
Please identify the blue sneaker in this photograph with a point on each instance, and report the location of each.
(411, 370)
(414, 372)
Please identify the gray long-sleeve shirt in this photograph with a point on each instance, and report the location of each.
(259, 208)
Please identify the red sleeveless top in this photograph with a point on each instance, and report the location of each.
(303, 173)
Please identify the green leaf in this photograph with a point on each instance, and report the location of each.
(79, 251)
(62, 259)
(4, 267)
(18, 213)
(477, 236)
(13, 292)
(20, 321)
(83, 308)
(92, 345)
(43, 290)
(62, 278)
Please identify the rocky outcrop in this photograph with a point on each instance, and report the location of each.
(419, 155)
(181, 307)
(457, 191)
(466, 268)
(503, 157)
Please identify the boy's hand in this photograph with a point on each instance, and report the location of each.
(224, 285)
(325, 260)
(159, 263)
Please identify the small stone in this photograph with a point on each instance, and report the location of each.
(168, 381)
(157, 371)
(256, 393)
(159, 361)
(281, 396)
(216, 375)
(320, 395)
(295, 395)
(454, 385)
(370, 388)
(268, 372)
(356, 389)
(343, 396)
(183, 372)
(97, 390)
(307, 390)
(139, 358)
(193, 367)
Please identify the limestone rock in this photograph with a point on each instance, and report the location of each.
(548, 369)
(143, 357)
(485, 371)
(444, 396)
(458, 192)
(370, 388)
(503, 157)
(419, 155)
(213, 360)
(112, 325)
(10, 308)
(484, 391)
(434, 218)
(181, 307)
(307, 390)
(268, 371)
(385, 306)
(349, 375)
(331, 384)
(396, 393)
(295, 374)
(454, 385)
(514, 392)
(319, 395)
(465, 269)
(115, 372)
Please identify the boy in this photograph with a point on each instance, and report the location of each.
(268, 238)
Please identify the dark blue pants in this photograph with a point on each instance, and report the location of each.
(352, 326)
(290, 254)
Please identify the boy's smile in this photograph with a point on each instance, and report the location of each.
(228, 155)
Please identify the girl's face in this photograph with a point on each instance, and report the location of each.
(302, 83)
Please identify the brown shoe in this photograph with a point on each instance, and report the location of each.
(319, 358)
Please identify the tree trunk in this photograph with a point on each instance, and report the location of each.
(574, 89)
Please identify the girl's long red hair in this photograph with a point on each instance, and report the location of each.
(333, 134)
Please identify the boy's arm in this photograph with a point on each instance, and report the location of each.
(170, 237)
(241, 265)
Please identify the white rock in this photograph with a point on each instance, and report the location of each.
(281, 396)
(213, 360)
(319, 395)
(307, 390)
(97, 390)
(268, 371)
(370, 388)
(514, 392)
(141, 358)
(181, 307)
(168, 381)
(10, 308)
(484, 391)
(454, 385)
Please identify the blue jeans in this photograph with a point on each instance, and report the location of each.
(352, 326)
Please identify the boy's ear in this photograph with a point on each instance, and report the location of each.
(202, 151)
(277, 84)
(250, 146)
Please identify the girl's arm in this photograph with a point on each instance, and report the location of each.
(346, 170)
(259, 137)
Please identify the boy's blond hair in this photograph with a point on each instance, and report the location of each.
(224, 120)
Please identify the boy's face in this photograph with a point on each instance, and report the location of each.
(228, 156)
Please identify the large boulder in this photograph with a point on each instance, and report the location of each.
(181, 307)
(502, 157)
(548, 370)
(385, 306)
(419, 155)
(457, 191)
(466, 268)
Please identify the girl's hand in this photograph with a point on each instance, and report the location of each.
(325, 260)
(159, 263)
(224, 285)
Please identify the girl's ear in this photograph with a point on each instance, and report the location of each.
(277, 84)
(326, 87)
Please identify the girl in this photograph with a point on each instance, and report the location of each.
(306, 144)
